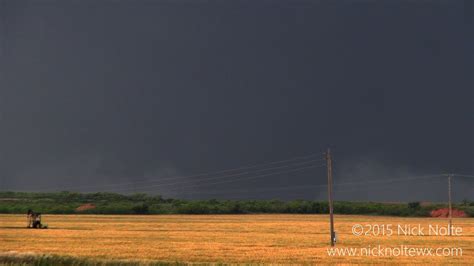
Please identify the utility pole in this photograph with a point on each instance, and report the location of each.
(449, 205)
(331, 212)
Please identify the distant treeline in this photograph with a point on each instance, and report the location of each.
(112, 203)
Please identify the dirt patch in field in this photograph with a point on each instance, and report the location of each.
(445, 213)
(85, 207)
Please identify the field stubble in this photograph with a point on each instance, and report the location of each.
(223, 238)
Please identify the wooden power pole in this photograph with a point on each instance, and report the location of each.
(450, 215)
(330, 199)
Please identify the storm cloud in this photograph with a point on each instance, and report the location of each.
(94, 93)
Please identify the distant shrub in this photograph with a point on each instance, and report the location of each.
(112, 203)
(141, 209)
(414, 205)
(194, 208)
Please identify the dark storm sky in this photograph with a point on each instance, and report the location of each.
(94, 93)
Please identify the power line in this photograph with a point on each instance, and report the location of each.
(370, 181)
(255, 190)
(297, 194)
(378, 187)
(202, 174)
(236, 175)
(398, 177)
(236, 180)
(246, 177)
(462, 175)
(389, 180)
(339, 184)
(295, 189)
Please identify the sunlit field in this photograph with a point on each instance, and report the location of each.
(223, 238)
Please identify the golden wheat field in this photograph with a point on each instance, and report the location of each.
(278, 239)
